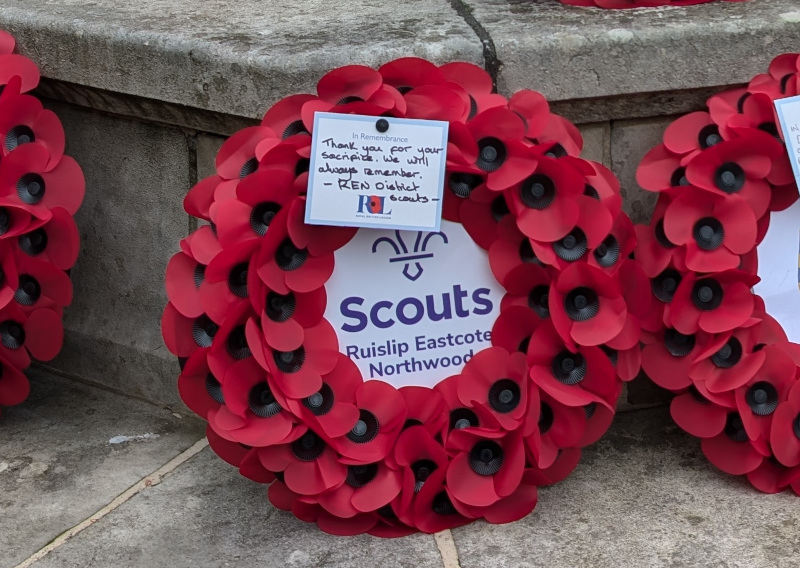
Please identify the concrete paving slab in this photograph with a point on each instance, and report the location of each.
(206, 514)
(68, 451)
(643, 496)
(234, 57)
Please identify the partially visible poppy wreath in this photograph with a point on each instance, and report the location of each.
(263, 367)
(40, 191)
(719, 174)
(615, 4)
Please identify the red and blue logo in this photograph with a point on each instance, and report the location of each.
(372, 205)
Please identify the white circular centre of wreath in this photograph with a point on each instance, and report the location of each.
(411, 307)
(779, 269)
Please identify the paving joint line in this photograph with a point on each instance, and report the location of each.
(447, 549)
(147, 481)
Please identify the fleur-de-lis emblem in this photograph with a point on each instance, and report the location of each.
(402, 253)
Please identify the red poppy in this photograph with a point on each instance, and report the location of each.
(14, 386)
(586, 306)
(731, 450)
(17, 69)
(30, 180)
(773, 477)
(560, 426)
(654, 251)
(477, 83)
(285, 117)
(499, 150)
(486, 466)
(382, 413)
(236, 158)
(231, 452)
(23, 120)
(715, 230)
(691, 134)
(224, 284)
(738, 167)
(695, 413)
(785, 430)
(426, 407)
(575, 378)
(418, 455)
(528, 285)
(351, 86)
(252, 414)
(366, 488)
(309, 465)
(331, 410)
(230, 341)
(566, 461)
(661, 169)
(507, 509)
(514, 327)
(759, 398)
(297, 373)
(183, 279)
(285, 317)
(56, 240)
(715, 303)
(433, 506)
(594, 224)
(296, 258)
(667, 360)
(545, 203)
(40, 285)
(260, 197)
(731, 359)
(200, 390)
(498, 380)
(466, 183)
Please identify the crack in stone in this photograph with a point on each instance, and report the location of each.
(492, 64)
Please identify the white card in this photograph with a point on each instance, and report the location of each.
(412, 307)
(377, 172)
(789, 118)
(779, 272)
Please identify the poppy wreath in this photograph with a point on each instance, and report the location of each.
(616, 4)
(40, 191)
(719, 174)
(263, 367)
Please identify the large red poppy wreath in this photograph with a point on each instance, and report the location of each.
(40, 191)
(263, 367)
(719, 174)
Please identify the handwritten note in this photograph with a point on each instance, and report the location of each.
(789, 118)
(380, 172)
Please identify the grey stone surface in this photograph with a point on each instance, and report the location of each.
(596, 142)
(233, 57)
(630, 141)
(130, 223)
(207, 148)
(570, 52)
(643, 496)
(206, 514)
(57, 465)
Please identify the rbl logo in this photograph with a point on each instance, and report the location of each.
(372, 205)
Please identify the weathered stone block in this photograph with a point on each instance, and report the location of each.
(130, 224)
(630, 141)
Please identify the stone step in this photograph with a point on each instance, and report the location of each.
(146, 89)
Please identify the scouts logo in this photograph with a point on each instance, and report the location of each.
(402, 254)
